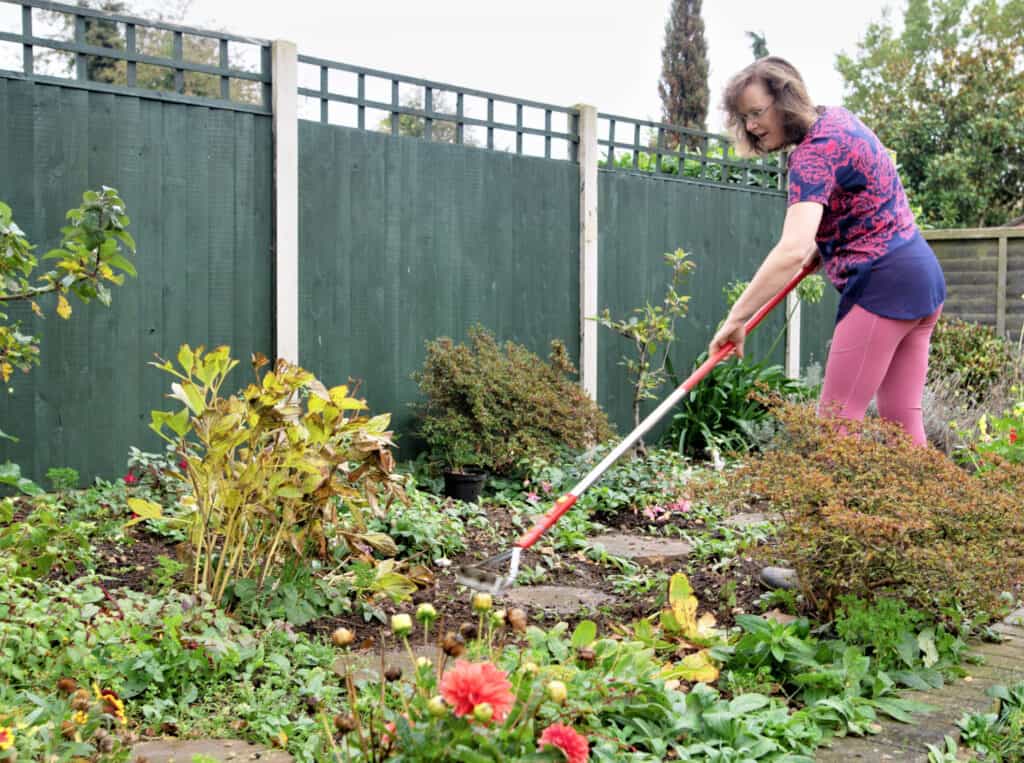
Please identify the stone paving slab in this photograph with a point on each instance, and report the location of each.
(224, 750)
(745, 519)
(562, 600)
(1004, 664)
(366, 665)
(644, 550)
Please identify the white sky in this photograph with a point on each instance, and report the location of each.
(603, 52)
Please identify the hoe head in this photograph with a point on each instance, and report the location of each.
(487, 576)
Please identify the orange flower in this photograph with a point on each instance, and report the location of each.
(6, 737)
(112, 704)
(469, 684)
(574, 746)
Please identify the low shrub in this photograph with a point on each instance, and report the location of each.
(868, 514)
(973, 353)
(492, 406)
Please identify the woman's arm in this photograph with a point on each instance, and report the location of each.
(796, 247)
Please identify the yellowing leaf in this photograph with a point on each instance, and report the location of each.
(696, 668)
(5, 370)
(36, 309)
(143, 509)
(63, 307)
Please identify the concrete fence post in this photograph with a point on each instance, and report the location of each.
(588, 159)
(285, 74)
(793, 336)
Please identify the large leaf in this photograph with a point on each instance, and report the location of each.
(10, 474)
(143, 509)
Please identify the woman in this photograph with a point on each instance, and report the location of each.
(847, 208)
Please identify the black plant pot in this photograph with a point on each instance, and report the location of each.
(464, 486)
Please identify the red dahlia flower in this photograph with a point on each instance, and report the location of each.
(572, 744)
(470, 683)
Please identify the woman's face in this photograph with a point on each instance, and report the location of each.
(757, 110)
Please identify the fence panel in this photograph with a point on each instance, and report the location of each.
(198, 185)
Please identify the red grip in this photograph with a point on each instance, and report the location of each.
(561, 506)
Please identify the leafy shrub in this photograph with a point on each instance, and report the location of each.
(491, 406)
(724, 411)
(975, 354)
(868, 514)
(268, 468)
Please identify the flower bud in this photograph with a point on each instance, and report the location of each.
(531, 668)
(482, 602)
(401, 625)
(426, 613)
(343, 637)
(498, 617)
(423, 662)
(483, 712)
(557, 692)
(436, 707)
(672, 684)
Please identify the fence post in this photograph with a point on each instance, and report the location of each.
(1001, 286)
(285, 75)
(588, 158)
(793, 336)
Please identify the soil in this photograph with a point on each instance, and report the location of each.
(725, 593)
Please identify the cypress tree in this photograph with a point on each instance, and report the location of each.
(684, 67)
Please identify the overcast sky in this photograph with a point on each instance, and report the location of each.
(603, 52)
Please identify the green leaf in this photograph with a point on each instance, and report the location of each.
(584, 634)
(926, 640)
(186, 358)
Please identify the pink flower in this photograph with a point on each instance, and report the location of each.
(681, 505)
(545, 486)
(532, 497)
(183, 464)
(130, 478)
(574, 746)
(469, 684)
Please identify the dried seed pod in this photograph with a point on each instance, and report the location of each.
(587, 656)
(453, 644)
(68, 729)
(468, 631)
(392, 673)
(81, 700)
(517, 619)
(106, 744)
(345, 723)
(67, 685)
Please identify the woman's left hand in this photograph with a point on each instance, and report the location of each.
(732, 330)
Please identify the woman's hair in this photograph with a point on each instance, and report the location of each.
(789, 93)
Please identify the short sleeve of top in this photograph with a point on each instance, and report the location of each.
(867, 231)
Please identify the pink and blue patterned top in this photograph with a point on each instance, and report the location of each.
(870, 246)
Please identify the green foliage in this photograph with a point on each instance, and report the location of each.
(493, 406)
(997, 735)
(651, 330)
(92, 252)
(266, 467)
(46, 539)
(726, 411)
(62, 478)
(996, 438)
(867, 513)
(683, 86)
(975, 354)
(944, 94)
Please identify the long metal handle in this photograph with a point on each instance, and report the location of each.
(565, 502)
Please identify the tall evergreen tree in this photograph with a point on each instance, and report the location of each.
(684, 67)
(758, 44)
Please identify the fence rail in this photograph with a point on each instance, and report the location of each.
(97, 67)
(686, 153)
(421, 108)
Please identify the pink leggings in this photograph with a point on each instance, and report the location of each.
(872, 356)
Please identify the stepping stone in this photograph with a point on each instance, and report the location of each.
(780, 577)
(747, 519)
(224, 750)
(644, 550)
(1016, 617)
(563, 600)
(365, 666)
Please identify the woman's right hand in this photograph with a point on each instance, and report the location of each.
(731, 330)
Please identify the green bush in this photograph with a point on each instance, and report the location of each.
(975, 354)
(868, 514)
(493, 406)
(724, 411)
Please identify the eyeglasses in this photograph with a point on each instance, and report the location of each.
(756, 114)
